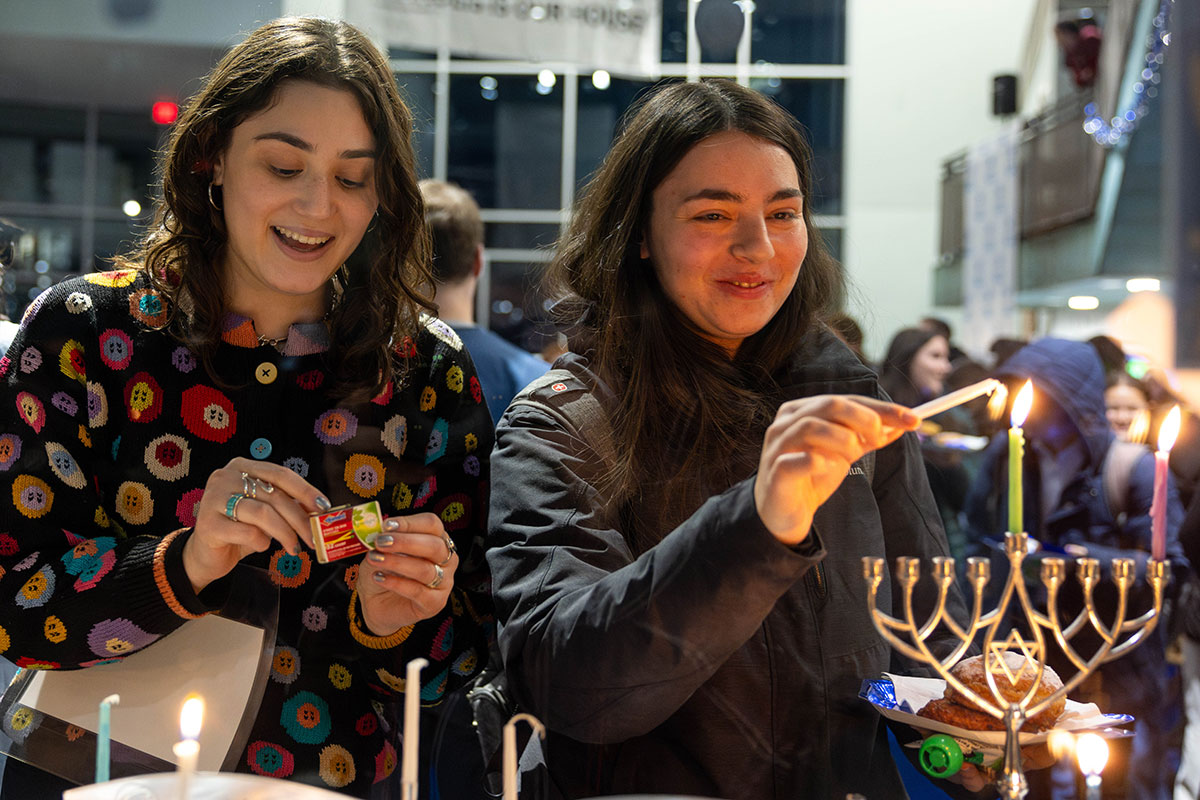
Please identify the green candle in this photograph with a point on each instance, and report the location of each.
(1016, 451)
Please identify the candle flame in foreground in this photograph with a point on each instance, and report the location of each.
(1022, 404)
(1092, 753)
(1060, 743)
(1169, 430)
(192, 717)
(997, 401)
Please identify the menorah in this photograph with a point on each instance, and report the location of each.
(1116, 639)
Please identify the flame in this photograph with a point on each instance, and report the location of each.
(1169, 431)
(1091, 752)
(997, 401)
(191, 718)
(1060, 743)
(1021, 405)
(1139, 427)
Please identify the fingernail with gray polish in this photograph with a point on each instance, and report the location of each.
(391, 524)
(378, 576)
(323, 503)
(385, 540)
(377, 557)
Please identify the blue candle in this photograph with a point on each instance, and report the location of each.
(103, 736)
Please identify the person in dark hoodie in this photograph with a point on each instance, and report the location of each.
(1069, 512)
(680, 511)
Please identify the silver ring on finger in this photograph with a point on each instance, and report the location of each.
(231, 505)
(249, 486)
(450, 550)
(437, 579)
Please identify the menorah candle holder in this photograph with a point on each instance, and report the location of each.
(1122, 635)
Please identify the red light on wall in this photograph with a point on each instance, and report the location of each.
(164, 113)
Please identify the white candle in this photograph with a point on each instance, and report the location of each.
(412, 728)
(187, 749)
(956, 398)
(1091, 751)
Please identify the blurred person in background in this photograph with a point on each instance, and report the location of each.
(942, 328)
(456, 230)
(1126, 406)
(915, 370)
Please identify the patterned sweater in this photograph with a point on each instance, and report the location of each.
(108, 432)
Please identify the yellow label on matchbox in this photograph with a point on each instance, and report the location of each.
(346, 531)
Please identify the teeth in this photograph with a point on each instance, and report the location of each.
(741, 285)
(300, 238)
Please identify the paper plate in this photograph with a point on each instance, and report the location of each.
(203, 786)
(898, 697)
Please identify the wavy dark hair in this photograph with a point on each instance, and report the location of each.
(689, 419)
(183, 252)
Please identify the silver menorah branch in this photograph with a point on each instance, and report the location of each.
(1117, 638)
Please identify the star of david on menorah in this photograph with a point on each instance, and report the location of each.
(1118, 636)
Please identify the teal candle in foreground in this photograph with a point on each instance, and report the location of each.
(104, 736)
(1016, 507)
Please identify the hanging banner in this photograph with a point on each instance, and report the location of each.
(622, 36)
(991, 207)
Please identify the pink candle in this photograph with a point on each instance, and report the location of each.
(1158, 506)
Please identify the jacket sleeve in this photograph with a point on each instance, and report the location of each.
(913, 528)
(76, 589)
(601, 645)
(455, 640)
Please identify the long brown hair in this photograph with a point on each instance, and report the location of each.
(184, 250)
(689, 420)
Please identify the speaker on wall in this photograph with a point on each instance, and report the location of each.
(1004, 95)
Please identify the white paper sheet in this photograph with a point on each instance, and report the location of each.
(213, 657)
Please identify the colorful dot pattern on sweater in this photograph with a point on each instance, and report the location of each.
(109, 432)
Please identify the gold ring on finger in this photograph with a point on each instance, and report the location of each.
(450, 550)
(439, 573)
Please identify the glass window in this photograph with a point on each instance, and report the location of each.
(418, 92)
(516, 310)
(525, 236)
(506, 140)
(125, 159)
(41, 154)
(599, 112)
(784, 32)
(46, 252)
(818, 104)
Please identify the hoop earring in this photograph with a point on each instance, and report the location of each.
(212, 202)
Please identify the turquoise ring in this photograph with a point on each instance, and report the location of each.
(232, 504)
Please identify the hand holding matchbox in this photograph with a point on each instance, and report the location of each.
(346, 531)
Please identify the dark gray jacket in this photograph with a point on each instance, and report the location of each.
(720, 662)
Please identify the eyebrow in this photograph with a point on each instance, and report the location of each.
(300, 144)
(732, 197)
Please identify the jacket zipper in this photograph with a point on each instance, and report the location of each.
(817, 584)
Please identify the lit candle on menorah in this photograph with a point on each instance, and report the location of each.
(1118, 637)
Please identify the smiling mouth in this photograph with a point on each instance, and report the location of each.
(299, 241)
(744, 285)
